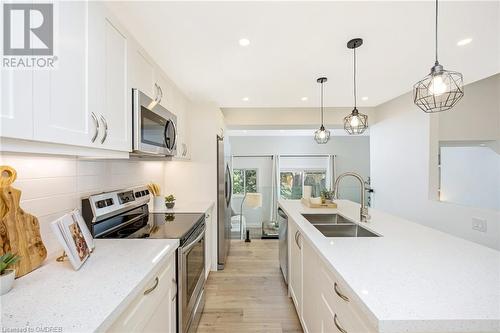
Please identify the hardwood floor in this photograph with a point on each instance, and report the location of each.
(249, 295)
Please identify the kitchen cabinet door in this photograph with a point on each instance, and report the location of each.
(182, 113)
(295, 263)
(311, 317)
(108, 95)
(166, 91)
(151, 311)
(209, 242)
(141, 70)
(164, 316)
(60, 110)
(16, 104)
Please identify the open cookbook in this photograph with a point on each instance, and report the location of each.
(74, 236)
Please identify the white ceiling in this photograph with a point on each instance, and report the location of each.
(292, 43)
(287, 132)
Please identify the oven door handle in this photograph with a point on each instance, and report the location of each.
(193, 243)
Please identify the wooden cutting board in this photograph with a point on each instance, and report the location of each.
(19, 231)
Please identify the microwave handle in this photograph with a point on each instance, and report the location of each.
(172, 146)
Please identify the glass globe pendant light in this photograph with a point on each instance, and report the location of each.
(441, 89)
(322, 135)
(355, 122)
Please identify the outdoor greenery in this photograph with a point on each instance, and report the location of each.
(244, 181)
(291, 184)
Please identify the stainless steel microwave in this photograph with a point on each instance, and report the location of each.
(154, 127)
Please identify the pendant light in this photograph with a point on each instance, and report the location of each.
(441, 89)
(356, 122)
(322, 135)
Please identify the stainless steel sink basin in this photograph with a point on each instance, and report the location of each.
(344, 230)
(326, 219)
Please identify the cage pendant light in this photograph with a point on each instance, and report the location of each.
(356, 122)
(322, 135)
(441, 89)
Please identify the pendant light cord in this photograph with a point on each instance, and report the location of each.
(436, 32)
(355, 101)
(322, 104)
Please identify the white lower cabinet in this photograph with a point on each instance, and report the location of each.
(209, 241)
(295, 267)
(154, 310)
(322, 300)
(312, 289)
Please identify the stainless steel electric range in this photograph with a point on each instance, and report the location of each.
(125, 214)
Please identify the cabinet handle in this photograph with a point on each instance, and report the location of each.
(147, 291)
(340, 328)
(161, 93)
(336, 288)
(157, 93)
(105, 124)
(175, 294)
(297, 235)
(96, 123)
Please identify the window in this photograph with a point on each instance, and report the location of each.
(244, 181)
(292, 183)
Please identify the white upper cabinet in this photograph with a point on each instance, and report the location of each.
(142, 71)
(86, 100)
(16, 105)
(60, 110)
(108, 95)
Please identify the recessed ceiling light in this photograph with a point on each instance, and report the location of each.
(303, 99)
(364, 98)
(244, 42)
(464, 41)
(245, 99)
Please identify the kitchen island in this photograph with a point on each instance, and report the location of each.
(410, 279)
(56, 298)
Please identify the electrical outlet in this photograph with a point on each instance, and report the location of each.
(479, 224)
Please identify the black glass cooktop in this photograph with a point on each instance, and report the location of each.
(160, 226)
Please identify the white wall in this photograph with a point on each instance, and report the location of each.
(196, 180)
(352, 153)
(402, 156)
(52, 186)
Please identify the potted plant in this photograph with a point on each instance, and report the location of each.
(327, 196)
(170, 201)
(7, 275)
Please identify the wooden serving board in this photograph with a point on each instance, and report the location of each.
(307, 203)
(19, 231)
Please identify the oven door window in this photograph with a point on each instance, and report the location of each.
(153, 128)
(195, 264)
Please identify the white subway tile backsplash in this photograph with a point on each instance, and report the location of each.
(34, 166)
(36, 188)
(90, 168)
(52, 185)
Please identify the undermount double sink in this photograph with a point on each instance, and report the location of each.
(336, 225)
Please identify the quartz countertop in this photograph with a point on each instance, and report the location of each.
(186, 207)
(90, 299)
(413, 278)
